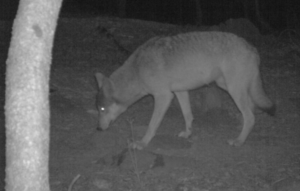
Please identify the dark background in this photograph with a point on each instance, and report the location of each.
(265, 14)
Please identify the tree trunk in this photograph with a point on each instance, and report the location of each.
(122, 8)
(198, 12)
(247, 9)
(27, 104)
(265, 26)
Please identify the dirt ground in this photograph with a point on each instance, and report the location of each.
(82, 158)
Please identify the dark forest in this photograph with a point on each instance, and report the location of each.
(267, 14)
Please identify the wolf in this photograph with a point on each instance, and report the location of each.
(164, 66)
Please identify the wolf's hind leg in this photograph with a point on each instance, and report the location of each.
(245, 105)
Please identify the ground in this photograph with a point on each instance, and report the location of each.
(82, 158)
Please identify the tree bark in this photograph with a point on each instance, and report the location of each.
(122, 8)
(198, 12)
(27, 104)
(264, 24)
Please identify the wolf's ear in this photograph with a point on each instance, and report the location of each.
(100, 78)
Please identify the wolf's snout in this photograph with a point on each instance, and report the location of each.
(103, 125)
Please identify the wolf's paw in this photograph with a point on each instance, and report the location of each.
(235, 142)
(184, 134)
(139, 145)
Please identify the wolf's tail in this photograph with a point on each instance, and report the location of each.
(260, 98)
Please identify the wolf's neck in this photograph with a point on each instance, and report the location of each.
(127, 86)
(128, 93)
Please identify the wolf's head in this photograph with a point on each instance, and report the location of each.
(109, 108)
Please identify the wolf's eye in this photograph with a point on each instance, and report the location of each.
(102, 109)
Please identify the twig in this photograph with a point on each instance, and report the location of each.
(132, 153)
(73, 182)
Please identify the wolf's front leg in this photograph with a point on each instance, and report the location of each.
(184, 102)
(162, 102)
